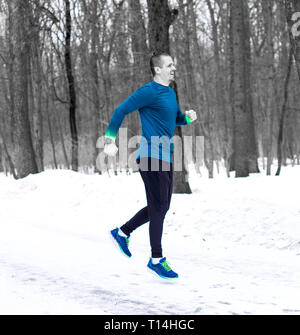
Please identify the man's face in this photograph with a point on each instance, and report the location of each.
(167, 69)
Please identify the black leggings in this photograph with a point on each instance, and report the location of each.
(158, 186)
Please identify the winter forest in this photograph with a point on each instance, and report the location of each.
(232, 228)
(65, 66)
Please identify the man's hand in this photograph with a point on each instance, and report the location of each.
(191, 114)
(110, 147)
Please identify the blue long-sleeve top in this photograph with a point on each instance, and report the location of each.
(159, 114)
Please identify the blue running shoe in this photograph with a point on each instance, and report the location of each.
(162, 269)
(122, 242)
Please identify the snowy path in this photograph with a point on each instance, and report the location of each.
(236, 252)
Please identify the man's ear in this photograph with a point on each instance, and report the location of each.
(157, 69)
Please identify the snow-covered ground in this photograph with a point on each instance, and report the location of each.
(235, 243)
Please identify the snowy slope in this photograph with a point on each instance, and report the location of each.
(234, 242)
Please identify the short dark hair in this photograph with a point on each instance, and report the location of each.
(155, 60)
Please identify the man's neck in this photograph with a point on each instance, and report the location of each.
(160, 81)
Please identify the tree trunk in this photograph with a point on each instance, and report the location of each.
(283, 113)
(252, 142)
(11, 70)
(190, 93)
(47, 111)
(244, 139)
(267, 6)
(160, 19)
(105, 63)
(188, 67)
(141, 70)
(203, 126)
(139, 46)
(56, 114)
(38, 115)
(220, 94)
(231, 158)
(72, 92)
(97, 127)
(8, 157)
(24, 154)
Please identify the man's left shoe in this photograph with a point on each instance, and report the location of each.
(121, 241)
(162, 269)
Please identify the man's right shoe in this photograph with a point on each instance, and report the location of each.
(121, 241)
(162, 269)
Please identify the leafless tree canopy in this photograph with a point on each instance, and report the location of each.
(65, 65)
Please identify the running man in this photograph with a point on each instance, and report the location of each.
(159, 114)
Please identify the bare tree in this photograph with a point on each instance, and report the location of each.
(205, 125)
(244, 138)
(141, 71)
(222, 109)
(24, 154)
(140, 51)
(283, 113)
(270, 82)
(71, 85)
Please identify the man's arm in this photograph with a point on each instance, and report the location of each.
(140, 98)
(183, 119)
